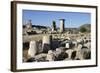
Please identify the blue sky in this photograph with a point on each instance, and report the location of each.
(45, 18)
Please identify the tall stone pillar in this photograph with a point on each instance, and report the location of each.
(33, 48)
(46, 43)
(62, 25)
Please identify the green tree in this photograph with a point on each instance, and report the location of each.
(83, 29)
(54, 25)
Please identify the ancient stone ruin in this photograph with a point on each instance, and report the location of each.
(52, 44)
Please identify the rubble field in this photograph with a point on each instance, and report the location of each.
(56, 47)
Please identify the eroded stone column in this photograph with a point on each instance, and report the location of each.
(33, 48)
(46, 43)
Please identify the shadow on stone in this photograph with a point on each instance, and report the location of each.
(73, 55)
(46, 47)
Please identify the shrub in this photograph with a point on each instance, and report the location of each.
(83, 29)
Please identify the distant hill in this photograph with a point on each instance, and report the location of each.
(39, 26)
(87, 26)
